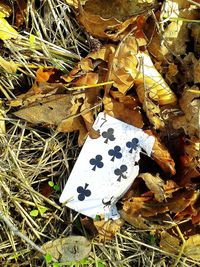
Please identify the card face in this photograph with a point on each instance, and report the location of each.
(106, 167)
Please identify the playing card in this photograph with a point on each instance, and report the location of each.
(106, 167)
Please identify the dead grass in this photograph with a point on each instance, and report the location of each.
(30, 157)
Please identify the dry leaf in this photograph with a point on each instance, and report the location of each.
(8, 66)
(169, 243)
(72, 248)
(144, 206)
(162, 156)
(155, 185)
(137, 221)
(110, 20)
(123, 64)
(6, 30)
(43, 74)
(124, 109)
(49, 110)
(190, 105)
(155, 86)
(74, 124)
(192, 247)
(107, 229)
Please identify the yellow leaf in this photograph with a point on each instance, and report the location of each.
(9, 66)
(154, 84)
(192, 247)
(169, 243)
(6, 30)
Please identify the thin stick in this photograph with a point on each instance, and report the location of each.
(18, 233)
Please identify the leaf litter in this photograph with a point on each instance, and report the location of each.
(147, 66)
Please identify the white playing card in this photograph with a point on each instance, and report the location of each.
(106, 168)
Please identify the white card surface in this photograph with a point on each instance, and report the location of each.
(106, 167)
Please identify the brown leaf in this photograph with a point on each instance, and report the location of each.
(74, 124)
(155, 185)
(107, 229)
(137, 221)
(124, 109)
(143, 206)
(190, 105)
(49, 110)
(110, 20)
(123, 64)
(43, 74)
(162, 156)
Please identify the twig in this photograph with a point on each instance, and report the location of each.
(18, 233)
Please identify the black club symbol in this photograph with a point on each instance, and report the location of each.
(115, 153)
(83, 192)
(132, 144)
(97, 162)
(120, 172)
(108, 135)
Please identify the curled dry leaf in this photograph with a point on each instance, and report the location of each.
(123, 64)
(162, 156)
(124, 108)
(107, 229)
(72, 248)
(43, 74)
(155, 185)
(146, 207)
(190, 105)
(110, 20)
(177, 29)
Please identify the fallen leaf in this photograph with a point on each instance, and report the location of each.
(71, 248)
(8, 66)
(6, 30)
(107, 229)
(43, 74)
(124, 109)
(49, 110)
(155, 185)
(169, 243)
(192, 247)
(123, 64)
(74, 124)
(161, 155)
(110, 20)
(137, 221)
(190, 105)
(119, 9)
